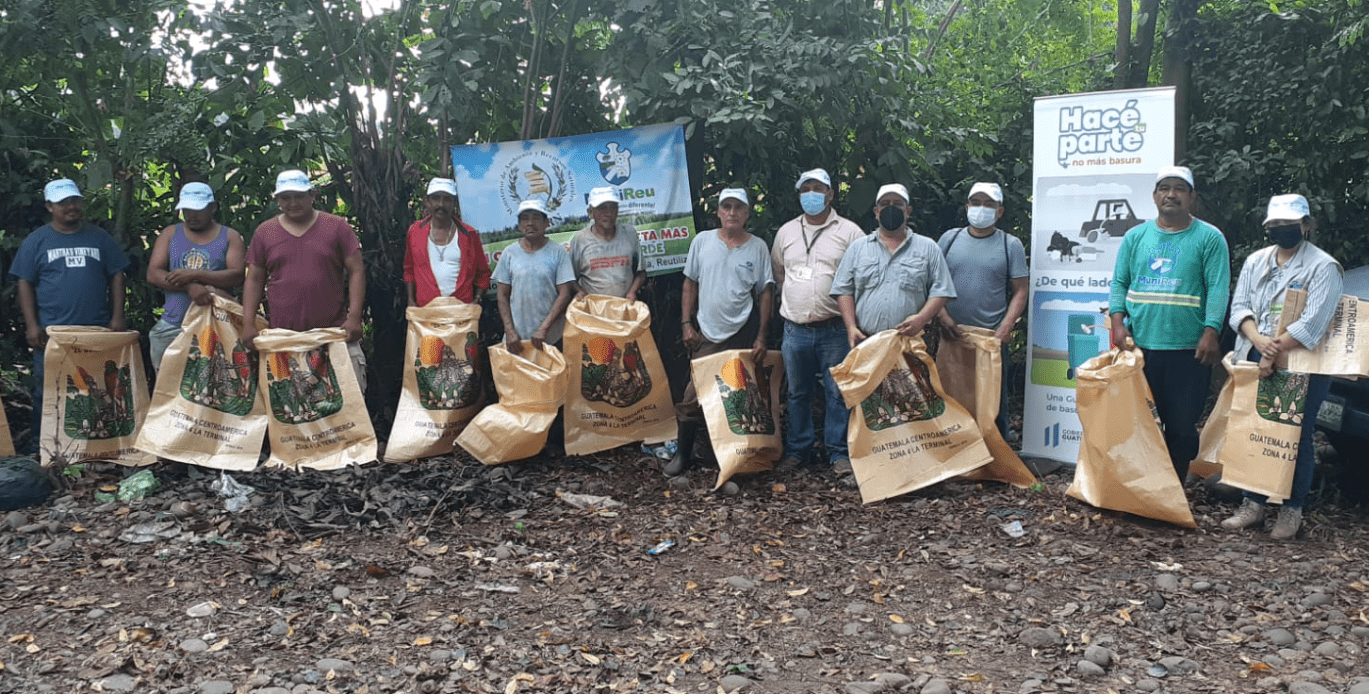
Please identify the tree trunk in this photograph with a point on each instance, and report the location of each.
(1145, 44)
(1178, 36)
(1123, 56)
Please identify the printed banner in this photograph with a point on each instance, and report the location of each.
(645, 165)
(1094, 166)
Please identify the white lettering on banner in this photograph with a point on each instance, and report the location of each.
(1099, 132)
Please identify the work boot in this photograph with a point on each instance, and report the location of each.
(684, 455)
(1286, 526)
(1250, 513)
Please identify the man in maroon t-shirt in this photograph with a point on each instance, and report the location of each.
(302, 260)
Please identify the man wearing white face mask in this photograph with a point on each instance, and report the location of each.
(805, 256)
(989, 268)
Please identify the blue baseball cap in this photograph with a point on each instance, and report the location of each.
(195, 196)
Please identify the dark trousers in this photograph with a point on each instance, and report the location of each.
(1179, 384)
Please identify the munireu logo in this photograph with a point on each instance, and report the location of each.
(1163, 257)
(615, 163)
(538, 174)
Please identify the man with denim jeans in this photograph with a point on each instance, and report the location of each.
(805, 256)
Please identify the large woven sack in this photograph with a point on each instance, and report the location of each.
(1123, 462)
(318, 415)
(972, 374)
(740, 400)
(1260, 451)
(905, 433)
(207, 408)
(618, 393)
(442, 385)
(531, 387)
(94, 398)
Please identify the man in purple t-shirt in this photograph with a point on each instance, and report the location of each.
(302, 260)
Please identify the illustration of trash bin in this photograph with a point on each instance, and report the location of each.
(1083, 340)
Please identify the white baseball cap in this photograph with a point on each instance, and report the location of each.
(59, 190)
(603, 194)
(292, 181)
(1176, 173)
(195, 196)
(534, 204)
(898, 188)
(992, 190)
(447, 186)
(1289, 206)
(819, 175)
(734, 194)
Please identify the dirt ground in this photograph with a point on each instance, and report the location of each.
(447, 576)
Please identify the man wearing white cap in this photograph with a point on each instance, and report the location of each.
(805, 257)
(894, 278)
(534, 277)
(307, 264)
(728, 279)
(607, 254)
(443, 256)
(1169, 293)
(69, 273)
(989, 269)
(190, 261)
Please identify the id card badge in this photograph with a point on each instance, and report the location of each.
(802, 273)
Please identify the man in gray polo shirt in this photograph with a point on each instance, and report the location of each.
(607, 254)
(728, 278)
(989, 269)
(893, 278)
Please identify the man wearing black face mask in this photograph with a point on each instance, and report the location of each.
(1169, 293)
(892, 278)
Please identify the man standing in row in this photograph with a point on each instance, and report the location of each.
(805, 257)
(69, 273)
(1169, 293)
(190, 262)
(607, 254)
(728, 278)
(893, 278)
(307, 264)
(989, 269)
(443, 256)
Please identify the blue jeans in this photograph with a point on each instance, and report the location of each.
(809, 349)
(1002, 420)
(1318, 385)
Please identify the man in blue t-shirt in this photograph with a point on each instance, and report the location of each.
(70, 273)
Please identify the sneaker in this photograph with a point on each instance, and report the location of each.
(1286, 526)
(788, 463)
(842, 466)
(1249, 514)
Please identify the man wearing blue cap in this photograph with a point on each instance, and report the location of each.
(70, 273)
(1169, 293)
(728, 279)
(805, 257)
(191, 261)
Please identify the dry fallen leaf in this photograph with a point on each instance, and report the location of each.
(1124, 614)
(422, 641)
(895, 617)
(798, 592)
(590, 658)
(217, 646)
(972, 677)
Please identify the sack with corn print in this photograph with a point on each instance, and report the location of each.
(442, 385)
(1263, 429)
(206, 407)
(95, 396)
(741, 405)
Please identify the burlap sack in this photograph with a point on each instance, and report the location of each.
(972, 373)
(1341, 352)
(442, 385)
(1123, 462)
(206, 408)
(619, 393)
(318, 415)
(904, 433)
(6, 440)
(1261, 447)
(1210, 440)
(741, 406)
(85, 419)
(531, 388)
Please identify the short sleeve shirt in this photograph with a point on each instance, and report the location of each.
(808, 256)
(70, 274)
(533, 280)
(606, 266)
(306, 275)
(983, 270)
(890, 287)
(729, 282)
